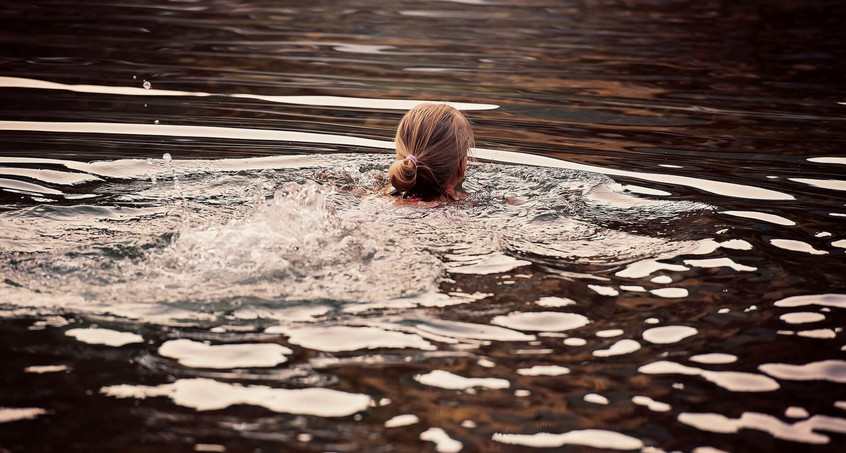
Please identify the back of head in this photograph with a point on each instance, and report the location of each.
(432, 140)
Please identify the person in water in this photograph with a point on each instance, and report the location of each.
(432, 142)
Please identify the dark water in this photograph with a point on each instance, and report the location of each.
(194, 257)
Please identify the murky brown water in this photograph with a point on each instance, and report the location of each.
(194, 258)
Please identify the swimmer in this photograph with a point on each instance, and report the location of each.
(432, 143)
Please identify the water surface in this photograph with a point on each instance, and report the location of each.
(195, 255)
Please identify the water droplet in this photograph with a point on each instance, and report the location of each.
(147, 85)
(166, 157)
(156, 122)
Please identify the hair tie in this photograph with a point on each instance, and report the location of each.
(412, 158)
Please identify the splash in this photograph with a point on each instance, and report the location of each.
(246, 238)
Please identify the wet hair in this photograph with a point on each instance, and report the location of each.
(431, 141)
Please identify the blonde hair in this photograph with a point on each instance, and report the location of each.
(431, 141)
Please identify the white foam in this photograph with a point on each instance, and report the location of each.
(446, 380)
(668, 334)
(596, 438)
(106, 337)
(662, 279)
(200, 355)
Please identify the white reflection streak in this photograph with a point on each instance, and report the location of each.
(597, 438)
(106, 337)
(716, 187)
(443, 443)
(833, 184)
(11, 414)
(446, 380)
(321, 101)
(802, 431)
(771, 218)
(206, 395)
(734, 381)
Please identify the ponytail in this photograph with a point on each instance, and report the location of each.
(403, 173)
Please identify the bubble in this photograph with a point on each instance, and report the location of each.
(147, 85)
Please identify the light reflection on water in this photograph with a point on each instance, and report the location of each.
(278, 246)
(651, 258)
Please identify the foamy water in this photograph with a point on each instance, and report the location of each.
(194, 255)
(286, 268)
